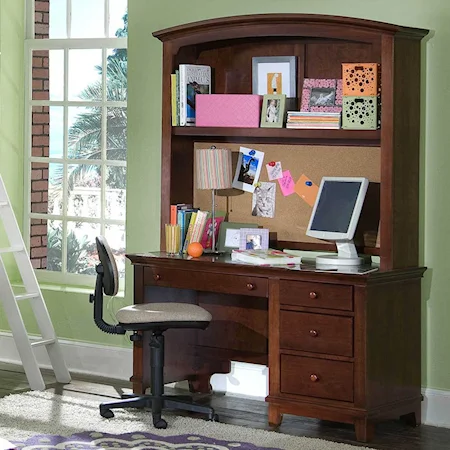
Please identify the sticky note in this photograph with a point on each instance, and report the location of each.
(287, 184)
(306, 189)
(274, 170)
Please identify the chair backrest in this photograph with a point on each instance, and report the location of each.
(110, 273)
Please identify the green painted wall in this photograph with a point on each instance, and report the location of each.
(11, 109)
(144, 133)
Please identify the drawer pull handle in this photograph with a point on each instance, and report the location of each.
(157, 276)
(250, 286)
(312, 294)
(313, 333)
(313, 377)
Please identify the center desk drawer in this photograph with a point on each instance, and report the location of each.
(316, 295)
(201, 281)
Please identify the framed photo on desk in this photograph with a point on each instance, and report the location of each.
(230, 235)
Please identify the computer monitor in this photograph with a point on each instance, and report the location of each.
(335, 216)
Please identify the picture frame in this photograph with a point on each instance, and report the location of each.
(254, 239)
(272, 111)
(230, 235)
(274, 75)
(248, 169)
(321, 95)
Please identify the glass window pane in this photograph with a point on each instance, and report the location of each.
(115, 192)
(116, 75)
(81, 249)
(84, 190)
(115, 235)
(85, 81)
(88, 19)
(46, 188)
(55, 131)
(58, 17)
(118, 18)
(56, 65)
(85, 132)
(54, 243)
(116, 134)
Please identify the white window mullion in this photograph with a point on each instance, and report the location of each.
(106, 20)
(69, 18)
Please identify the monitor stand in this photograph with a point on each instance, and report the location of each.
(346, 256)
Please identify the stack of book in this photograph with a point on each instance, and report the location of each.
(188, 81)
(319, 120)
(264, 257)
(195, 225)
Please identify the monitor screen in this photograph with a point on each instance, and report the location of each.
(337, 207)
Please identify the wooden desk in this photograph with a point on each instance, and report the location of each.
(340, 347)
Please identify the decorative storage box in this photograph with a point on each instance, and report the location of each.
(228, 110)
(360, 79)
(360, 113)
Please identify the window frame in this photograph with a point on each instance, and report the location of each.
(105, 44)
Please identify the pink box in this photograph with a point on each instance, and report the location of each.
(228, 110)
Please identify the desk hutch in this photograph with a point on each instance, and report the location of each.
(340, 347)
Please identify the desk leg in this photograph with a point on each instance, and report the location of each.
(201, 384)
(275, 416)
(364, 430)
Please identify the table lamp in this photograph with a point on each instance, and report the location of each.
(213, 171)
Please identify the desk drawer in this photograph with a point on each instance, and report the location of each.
(317, 333)
(214, 282)
(317, 378)
(316, 295)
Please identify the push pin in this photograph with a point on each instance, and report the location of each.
(308, 183)
(272, 163)
(252, 152)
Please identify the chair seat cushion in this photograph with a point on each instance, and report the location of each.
(162, 312)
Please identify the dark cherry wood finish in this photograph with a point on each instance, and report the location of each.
(339, 347)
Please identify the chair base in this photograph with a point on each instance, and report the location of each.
(157, 404)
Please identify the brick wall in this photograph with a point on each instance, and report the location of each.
(40, 139)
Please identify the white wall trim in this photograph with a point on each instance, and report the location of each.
(244, 380)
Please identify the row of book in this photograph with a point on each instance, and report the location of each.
(186, 82)
(315, 120)
(195, 224)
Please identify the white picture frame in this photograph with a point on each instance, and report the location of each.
(264, 68)
(248, 169)
(254, 239)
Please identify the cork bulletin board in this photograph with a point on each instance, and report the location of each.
(292, 213)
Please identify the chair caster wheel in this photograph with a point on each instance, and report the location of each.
(161, 423)
(106, 413)
(214, 418)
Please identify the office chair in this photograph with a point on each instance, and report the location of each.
(155, 318)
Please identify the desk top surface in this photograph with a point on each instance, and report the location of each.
(224, 262)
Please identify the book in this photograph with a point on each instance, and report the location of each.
(187, 239)
(173, 98)
(174, 211)
(194, 79)
(206, 239)
(265, 257)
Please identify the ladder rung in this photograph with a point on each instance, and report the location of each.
(16, 248)
(25, 296)
(43, 342)
(3, 203)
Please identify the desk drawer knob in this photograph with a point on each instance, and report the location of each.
(250, 286)
(157, 276)
(313, 377)
(312, 294)
(313, 333)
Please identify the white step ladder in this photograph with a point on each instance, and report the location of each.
(34, 295)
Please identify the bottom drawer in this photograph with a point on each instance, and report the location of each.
(317, 378)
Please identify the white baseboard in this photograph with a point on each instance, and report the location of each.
(244, 380)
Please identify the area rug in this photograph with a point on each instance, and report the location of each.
(42, 420)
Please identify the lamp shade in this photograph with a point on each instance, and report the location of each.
(213, 168)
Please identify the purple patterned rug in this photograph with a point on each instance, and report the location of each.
(140, 440)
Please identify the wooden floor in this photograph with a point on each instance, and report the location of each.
(246, 412)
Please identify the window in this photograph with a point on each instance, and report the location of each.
(76, 134)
